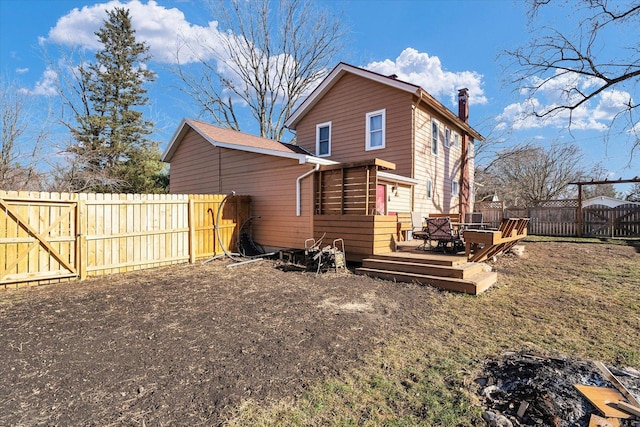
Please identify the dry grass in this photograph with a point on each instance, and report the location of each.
(562, 298)
(205, 345)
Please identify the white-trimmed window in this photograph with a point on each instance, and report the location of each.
(323, 139)
(447, 137)
(454, 188)
(429, 189)
(435, 133)
(375, 130)
(455, 139)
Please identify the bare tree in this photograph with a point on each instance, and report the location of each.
(266, 60)
(22, 137)
(578, 63)
(528, 174)
(634, 193)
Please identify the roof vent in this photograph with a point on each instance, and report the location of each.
(393, 76)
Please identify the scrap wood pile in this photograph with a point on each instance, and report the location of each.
(324, 258)
(529, 390)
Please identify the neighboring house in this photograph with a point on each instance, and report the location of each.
(357, 114)
(610, 202)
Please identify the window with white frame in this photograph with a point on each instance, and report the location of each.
(435, 133)
(323, 139)
(454, 188)
(447, 137)
(455, 139)
(375, 130)
(429, 189)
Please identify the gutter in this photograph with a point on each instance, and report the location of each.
(298, 190)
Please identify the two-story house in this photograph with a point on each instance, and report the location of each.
(356, 114)
(367, 146)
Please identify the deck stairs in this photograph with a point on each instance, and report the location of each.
(449, 272)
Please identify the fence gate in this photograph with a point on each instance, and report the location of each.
(37, 240)
(603, 221)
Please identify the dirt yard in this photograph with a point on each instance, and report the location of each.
(184, 345)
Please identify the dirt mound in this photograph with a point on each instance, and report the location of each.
(545, 386)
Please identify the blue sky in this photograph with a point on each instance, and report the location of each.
(440, 45)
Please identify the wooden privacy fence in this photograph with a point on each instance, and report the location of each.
(604, 221)
(561, 218)
(47, 237)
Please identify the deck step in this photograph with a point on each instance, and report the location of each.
(475, 285)
(424, 258)
(404, 265)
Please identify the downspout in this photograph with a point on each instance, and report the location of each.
(298, 190)
(414, 154)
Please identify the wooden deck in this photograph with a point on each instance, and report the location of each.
(445, 271)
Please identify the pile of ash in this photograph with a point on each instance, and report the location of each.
(528, 390)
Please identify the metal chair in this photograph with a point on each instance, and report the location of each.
(439, 230)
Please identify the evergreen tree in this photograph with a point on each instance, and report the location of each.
(112, 150)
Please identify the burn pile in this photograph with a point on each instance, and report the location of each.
(529, 390)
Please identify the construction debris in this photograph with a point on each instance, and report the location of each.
(533, 390)
(322, 259)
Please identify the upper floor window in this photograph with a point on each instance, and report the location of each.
(455, 139)
(447, 137)
(323, 139)
(375, 130)
(435, 133)
(454, 189)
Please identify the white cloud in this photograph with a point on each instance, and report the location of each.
(164, 30)
(426, 71)
(563, 89)
(46, 86)
(22, 70)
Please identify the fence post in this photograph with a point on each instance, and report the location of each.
(192, 230)
(81, 239)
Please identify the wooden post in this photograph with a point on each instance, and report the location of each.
(367, 188)
(342, 191)
(192, 230)
(579, 210)
(81, 239)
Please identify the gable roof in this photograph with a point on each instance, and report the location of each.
(235, 140)
(342, 68)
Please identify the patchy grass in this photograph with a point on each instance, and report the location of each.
(204, 345)
(575, 298)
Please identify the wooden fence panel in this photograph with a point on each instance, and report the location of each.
(560, 218)
(126, 232)
(235, 212)
(37, 237)
(492, 212)
(47, 237)
(553, 220)
(627, 220)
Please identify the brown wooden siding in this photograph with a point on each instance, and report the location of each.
(193, 166)
(350, 191)
(346, 106)
(269, 180)
(363, 235)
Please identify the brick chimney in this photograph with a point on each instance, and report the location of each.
(463, 104)
(464, 199)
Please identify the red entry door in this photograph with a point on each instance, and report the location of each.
(381, 199)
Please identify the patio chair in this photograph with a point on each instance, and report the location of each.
(439, 230)
(418, 230)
